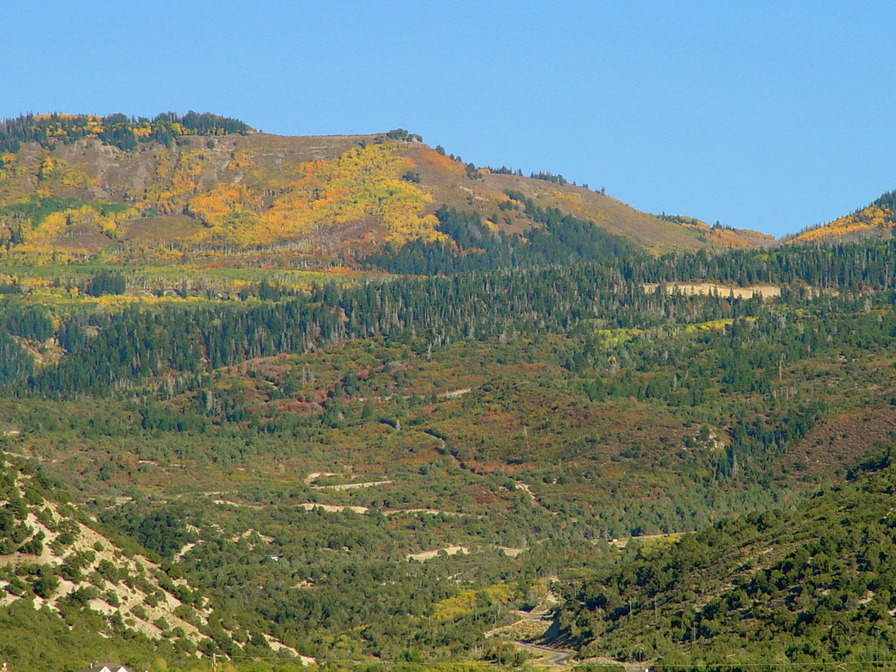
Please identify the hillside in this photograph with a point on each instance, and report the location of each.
(811, 585)
(175, 189)
(874, 221)
(442, 449)
(90, 598)
(352, 398)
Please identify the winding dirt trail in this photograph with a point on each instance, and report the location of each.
(550, 657)
(351, 486)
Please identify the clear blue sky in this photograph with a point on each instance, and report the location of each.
(766, 115)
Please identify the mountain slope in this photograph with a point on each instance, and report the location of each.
(129, 188)
(58, 573)
(875, 220)
(812, 585)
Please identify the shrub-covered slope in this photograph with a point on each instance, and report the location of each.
(86, 597)
(811, 585)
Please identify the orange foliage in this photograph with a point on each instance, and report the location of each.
(441, 162)
(241, 158)
(226, 204)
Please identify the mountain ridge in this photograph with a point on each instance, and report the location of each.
(86, 185)
(875, 220)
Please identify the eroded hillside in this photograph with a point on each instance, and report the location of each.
(57, 570)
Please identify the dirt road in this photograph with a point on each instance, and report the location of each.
(548, 656)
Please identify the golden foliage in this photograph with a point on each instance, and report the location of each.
(177, 179)
(725, 238)
(241, 159)
(48, 166)
(467, 600)
(53, 172)
(872, 217)
(58, 224)
(362, 185)
(226, 205)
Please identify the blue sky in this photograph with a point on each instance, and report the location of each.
(764, 115)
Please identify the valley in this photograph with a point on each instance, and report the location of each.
(350, 402)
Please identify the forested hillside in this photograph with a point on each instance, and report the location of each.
(809, 585)
(354, 400)
(84, 596)
(314, 454)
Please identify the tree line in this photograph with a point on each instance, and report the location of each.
(115, 129)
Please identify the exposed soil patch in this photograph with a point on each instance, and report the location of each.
(351, 486)
(712, 288)
(428, 555)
